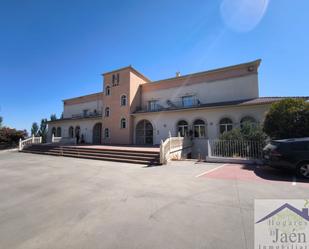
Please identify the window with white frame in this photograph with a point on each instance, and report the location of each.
(123, 123)
(199, 128)
(225, 125)
(107, 91)
(183, 128)
(187, 101)
(123, 100)
(85, 112)
(107, 112)
(153, 105)
(106, 133)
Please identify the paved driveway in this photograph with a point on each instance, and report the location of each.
(58, 202)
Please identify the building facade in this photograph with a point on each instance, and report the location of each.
(132, 109)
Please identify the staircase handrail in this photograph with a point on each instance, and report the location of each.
(173, 145)
(29, 141)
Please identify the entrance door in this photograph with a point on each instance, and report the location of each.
(144, 133)
(97, 133)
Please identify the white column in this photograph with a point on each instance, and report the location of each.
(20, 148)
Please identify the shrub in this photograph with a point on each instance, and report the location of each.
(288, 118)
(247, 141)
(10, 137)
(248, 131)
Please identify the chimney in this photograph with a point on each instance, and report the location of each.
(177, 74)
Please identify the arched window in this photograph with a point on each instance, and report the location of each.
(247, 120)
(123, 100)
(59, 132)
(123, 123)
(107, 112)
(225, 125)
(54, 131)
(107, 90)
(183, 128)
(71, 131)
(199, 128)
(106, 133)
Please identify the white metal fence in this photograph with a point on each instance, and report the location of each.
(242, 149)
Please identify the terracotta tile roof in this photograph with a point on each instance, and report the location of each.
(266, 100)
(256, 101)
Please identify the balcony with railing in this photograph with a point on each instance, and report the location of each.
(170, 105)
(94, 114)
(87, 115)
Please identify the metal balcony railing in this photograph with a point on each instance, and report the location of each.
(170, 105)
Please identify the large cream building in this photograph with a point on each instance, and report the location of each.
(132, 109)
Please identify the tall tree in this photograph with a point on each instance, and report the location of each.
(34, 128)
(53, 117)
(288, 118)
(1, 120)
(43, 130)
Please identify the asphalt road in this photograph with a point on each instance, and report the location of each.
(57, 202)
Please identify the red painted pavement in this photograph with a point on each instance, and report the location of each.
(253, 173)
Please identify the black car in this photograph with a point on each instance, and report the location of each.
(290, 154)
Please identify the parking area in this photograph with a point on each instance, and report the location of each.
(59, 202)
(253, 173)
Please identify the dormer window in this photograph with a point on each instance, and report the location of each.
(153, 105)
(107, 91)
(187, 101)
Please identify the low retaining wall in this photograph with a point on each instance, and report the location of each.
(233, 160)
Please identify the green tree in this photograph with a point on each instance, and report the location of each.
(43, 130)
(53, 117)
(288, 118)
(1, 120)
(34, 128)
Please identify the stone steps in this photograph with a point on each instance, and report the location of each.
(116, 155)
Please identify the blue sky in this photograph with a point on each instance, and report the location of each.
(51, 50)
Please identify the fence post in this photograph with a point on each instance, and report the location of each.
(161, 152)
(169, 140)
(53, 136)
(209, 148)
(40, 140)
(20, 145)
